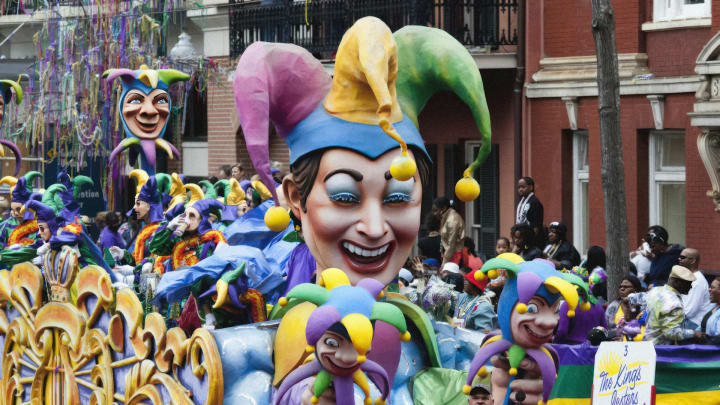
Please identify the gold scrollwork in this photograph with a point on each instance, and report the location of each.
(99, 349)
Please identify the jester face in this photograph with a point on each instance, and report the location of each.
(44, 231)
(536, 326)
(141, 209)
(193, 218)
(146, 114)
(337, 354)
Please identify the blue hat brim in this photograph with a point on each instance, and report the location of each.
(321, 130)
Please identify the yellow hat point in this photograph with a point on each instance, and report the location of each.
(368, 401)
(482, 372)
(466, 389)
(405, 337)
(379, 401)
(541, 402)
(638, 338)
(277, 219)
(521, 308)
(361, 358)
(380, 295)
(479, 275)
(282, 301)
(309, 349)
(467, 189)
(571, 314)
(513, 371)
(585, 306)
(493, 274)
(403, 167)
(314, 399)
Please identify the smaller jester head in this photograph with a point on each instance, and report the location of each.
(528, 314)
(8, 87)
(145, 106)
(47, 212)
(340, 332)
(148, 204)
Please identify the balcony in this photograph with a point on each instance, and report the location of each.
(21, 7)
(484, 26)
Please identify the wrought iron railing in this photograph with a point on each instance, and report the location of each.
(15, 7)
(475, 23)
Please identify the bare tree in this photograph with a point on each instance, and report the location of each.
(613, 171)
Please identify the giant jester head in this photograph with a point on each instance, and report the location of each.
(8, 88)
(145, 106)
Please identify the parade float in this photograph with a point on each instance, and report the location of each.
(72, 333)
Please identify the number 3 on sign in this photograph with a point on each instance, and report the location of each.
(626, 351)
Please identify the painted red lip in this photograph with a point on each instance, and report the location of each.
(536, 336)
(147, 127)
(337, 369)
(366, 265)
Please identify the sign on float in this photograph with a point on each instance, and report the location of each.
(624, 374)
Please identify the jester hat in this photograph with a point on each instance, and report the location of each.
(353, 307)
(206, 207)
(146, 80)
(47, 211)
(586, 298)
(21, 188)
(381, 84)
(524, 280)
(234, 195)
(72, 190)
(8, 87)
(147, 191)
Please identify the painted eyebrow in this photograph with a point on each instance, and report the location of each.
(356, 175)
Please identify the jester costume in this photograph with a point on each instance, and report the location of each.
(7, 87)
(191, 247)
(13, 232)
(147, 191)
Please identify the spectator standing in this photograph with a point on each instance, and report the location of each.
(502, 246)
(529, 210)
(480, 395)
(617, 309)
(522, 237)
(224, 172)
(697, 302)
(452, 227)
(666, 321)
(430, 245)
(710, 323)
(665, 256)
(237, 172)
(474, 309)
(558, 250)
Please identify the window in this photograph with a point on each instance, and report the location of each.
(667, 182)
(665, 10)
(482, 216)
(581, 178)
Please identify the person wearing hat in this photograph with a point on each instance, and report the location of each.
(16, 232)
(664, 255)
(45, 216)
(480, 395)
(666, 318)
(145, 107)
(189, 237)
(474, 308)
(558, 250)
(148, 212)
(234, 201)
(450, 274)
(69, 196)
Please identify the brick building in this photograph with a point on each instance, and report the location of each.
(659, 43)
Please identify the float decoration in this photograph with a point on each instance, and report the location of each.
(94, 345)
(525, 281)
(343, 316)
(145, 107)
(7, 88)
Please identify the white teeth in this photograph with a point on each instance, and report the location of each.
(364, 252)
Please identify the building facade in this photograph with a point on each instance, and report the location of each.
(659, 45)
